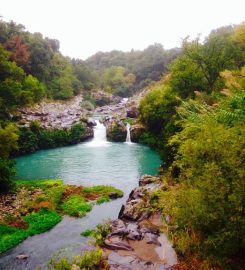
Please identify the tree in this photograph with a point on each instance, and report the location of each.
(62, 78)
(186, 77)
(8, 143)
(240, 33)
(8, 140)
(40, 56)
(116, 81)
(18, 51)
(33, 88)
(219, 52)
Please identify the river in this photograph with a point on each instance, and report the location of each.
(95, 162)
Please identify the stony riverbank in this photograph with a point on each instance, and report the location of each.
(136, 240)
(55, 114)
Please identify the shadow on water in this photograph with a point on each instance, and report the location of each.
(96, 162)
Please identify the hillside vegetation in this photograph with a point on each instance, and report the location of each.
(195, 117)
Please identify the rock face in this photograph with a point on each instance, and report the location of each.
(53, 114)
(148, 179)
(102, 98)
(115, 131)
(132, 112)
(135, 241)
(136, 131)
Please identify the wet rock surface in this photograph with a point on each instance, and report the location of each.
(52, 114)
(115, 130)
(135, 241)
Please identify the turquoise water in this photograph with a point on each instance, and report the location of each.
(91, 163)
(95, 162)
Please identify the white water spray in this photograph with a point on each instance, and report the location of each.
(99, 138)
(128, 138)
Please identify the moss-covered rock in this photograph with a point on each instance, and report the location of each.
(136, 131)
(116, 131)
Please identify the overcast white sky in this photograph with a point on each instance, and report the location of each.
(84, 27)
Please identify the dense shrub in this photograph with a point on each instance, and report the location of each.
(7, 172)
(34, 137)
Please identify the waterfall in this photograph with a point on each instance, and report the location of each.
(128, 138)
(99, 138)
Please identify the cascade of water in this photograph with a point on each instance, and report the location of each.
(99, 138)
(128, 138)
(99, 132)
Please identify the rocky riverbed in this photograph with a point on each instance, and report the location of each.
(55, 114)
(136, 241)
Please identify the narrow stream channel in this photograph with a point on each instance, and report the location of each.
(96, 162)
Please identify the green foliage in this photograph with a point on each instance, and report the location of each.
(76, 206)
(87, 233)
(103, 199)
(198, 69)
(34, 137)
(99, 233)
(204, 137)
(62, 76)
(86, 75)
(210, 203)
(54, 199)
(87, 261)
(103, 190)
(130, 121)
(157, 112)
(116, 81)
(49, 72)
(10, 237)
(38, 222)
(41, 221)
(33, 89)
(75, 133)
(8, 140)
(7, 172)
(186, 77)
(147, 65)
(87, 105)
(53, 190)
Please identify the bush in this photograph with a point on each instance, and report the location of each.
(99, 233)
(7, 171)
(207, 207)
(38, 222)
(41, 221)
(87, 261)
(76, 206)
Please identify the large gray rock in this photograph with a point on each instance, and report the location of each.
(136, 131)
(115, 243)
(91, 122)
(116, 131)
(132, 112)
(148, 179)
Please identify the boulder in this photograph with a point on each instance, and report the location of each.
(116, 131)
(132, 112)
(91, 122)
(131, 210)
(22, 257)
(152, 239)
(89, 133)
(136, 131)
(115, 243)
(115, 195)
(148, 179)
(136, 193)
